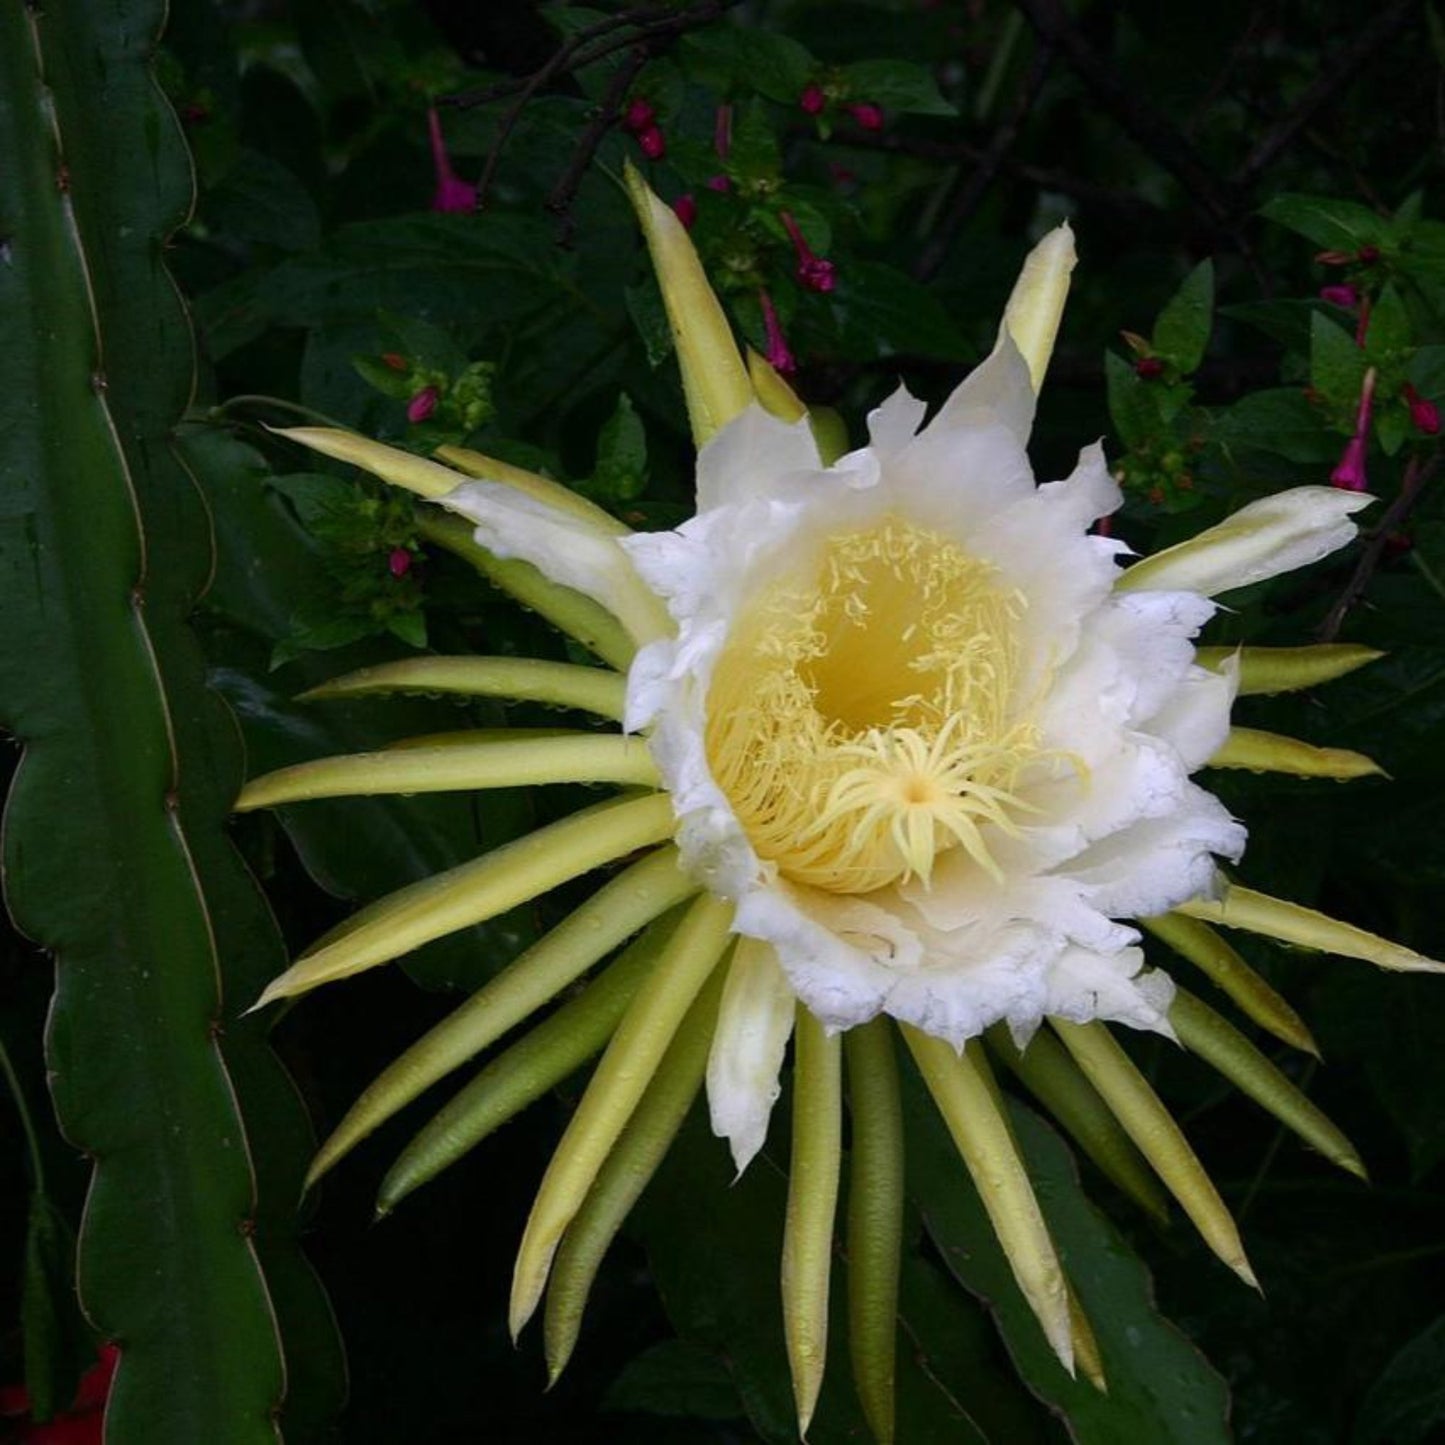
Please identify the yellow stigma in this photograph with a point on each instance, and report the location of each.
(864, 714)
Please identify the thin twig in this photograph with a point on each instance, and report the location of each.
(559, 202)
(1327, 85)
(647, 23)
(976, 185)
(1151, 130)
(1412, 485)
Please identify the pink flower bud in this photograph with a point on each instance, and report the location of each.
(1424, 414)
(1349, 472)
(398, 561)
(721, 184)
(1345, 296)
(652, 143)
(1333, 258)
(686, 210)
(452, 193)
(422, 404)
(1367, 255)
(638, 116)
(812, 99)
(780, 358)
(814, 272)
(868, 115)
(1149, 368)
(393, 360)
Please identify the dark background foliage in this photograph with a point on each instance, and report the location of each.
(919, 146)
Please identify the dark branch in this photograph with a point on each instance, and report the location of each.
(1412, 486)
(975, 186)
(1328, 84)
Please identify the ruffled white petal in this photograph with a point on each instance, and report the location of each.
(1273, 535)
(755, 1020)
(564, 548)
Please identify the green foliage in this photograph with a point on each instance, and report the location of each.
(319, 277)
(114, 856)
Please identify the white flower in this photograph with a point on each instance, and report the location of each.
(924, 747)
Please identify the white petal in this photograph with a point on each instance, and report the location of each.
(1273, 535)
(894, 424)
(1195, 720)
(751, 457)
(1083, 986)
(997, 392)
(755, 1020)
(564, 548)
(1036, 306)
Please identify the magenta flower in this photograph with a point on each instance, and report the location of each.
(1423, 412)
(812, 99)
(1149, 368)
(780, 358)
(422, 405)
(719, 183)
(398, 562)
(1345, 296)
(452, 193)
(814, 272)
(639, 116)
(652, 143)
(685, 208)
(868, 115)
(1349, 472)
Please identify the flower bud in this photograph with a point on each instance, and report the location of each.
(812, 100)
(1349, 472)
(422, 405)
(1345, 296)
(639, 115)
(1149, 368)
(868, 115)
(452, 193)
(813, 272)
(652, 143)
(393, 360)
(719, 183)
(780, 357)
(1367, 255)
(685, 208)
(398, 561)
(1424, 414)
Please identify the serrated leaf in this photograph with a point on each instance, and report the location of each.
(1181, 333)
(1337, 365)
(1329, 222)
(896, 85)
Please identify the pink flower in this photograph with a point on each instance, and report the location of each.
(686, 210)
(652, 143)
(812, 99)
(814, 272)
(1349, 472)
(780, 358)
(1423, 412)
(398, 561)
(1345, 296)
(868, 115)
(452, 193)
(422, 404)
(721, 184)
(638, 116)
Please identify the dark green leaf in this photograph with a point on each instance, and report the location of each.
(1329, 222)
(896, 85)
(1182, 331)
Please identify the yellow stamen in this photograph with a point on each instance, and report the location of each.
(867, 712)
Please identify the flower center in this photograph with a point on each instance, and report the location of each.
(863, 716)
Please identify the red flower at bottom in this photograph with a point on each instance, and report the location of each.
(83, 1423)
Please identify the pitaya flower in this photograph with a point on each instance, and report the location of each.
(904, 747)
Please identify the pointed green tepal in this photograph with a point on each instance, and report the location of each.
(714, 378)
